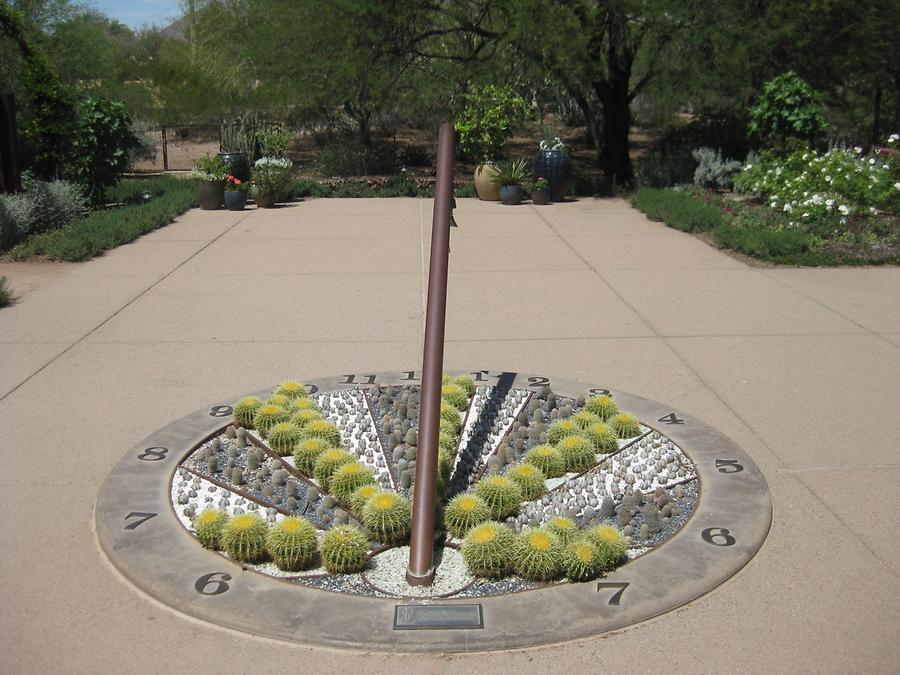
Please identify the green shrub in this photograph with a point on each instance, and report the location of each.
(767, 243)
(141, 190)
(347, 157)
(303, 187)
(42, 206)
(713, 171)
(787, 110)
(240, 135)
(677, 209)
(490, 117)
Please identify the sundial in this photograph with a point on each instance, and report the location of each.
(368, 509)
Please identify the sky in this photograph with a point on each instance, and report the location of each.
(138, 13)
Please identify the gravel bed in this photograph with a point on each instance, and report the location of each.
(387, 573)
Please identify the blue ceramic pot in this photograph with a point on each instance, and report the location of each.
(555, 167)
(511, 194)
(235, 200)
(237, 164)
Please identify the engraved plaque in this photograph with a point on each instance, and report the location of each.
(437, 617)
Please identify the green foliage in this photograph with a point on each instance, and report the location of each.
(603, 407)
(467, 384)
(208, 527)
(577, 452)
(451, 415)
(142, 190)
(271, 175)
(324, 430)
(455, 396)
(306, 453)
(244, 538)
(267, 416)
(347, 479)
(487, 550)
(40, 207)
(240, 135)
(464, 512)
(292, 543)
(273, 140)
(6, 294)
(103, 230)
(677, 209)
(511, 173)
(282, 438)
(387, 516)
(529, 479)
(547, 459)
(329, 461)
(788, 110)
(537, 555)
(344, 550)
(713, 171)
(245, 411)
(490, 116)
(103, 145)
(624, 425)
(502, 495)
(581, 560)
(210, 169)
(348, 157)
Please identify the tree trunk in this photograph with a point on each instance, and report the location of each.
(613, 155)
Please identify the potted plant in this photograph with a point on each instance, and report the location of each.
(238, 143)
(270, 177)
(509, 178)
(540, 191)
(236, 193)
(489, 118)
(209, 174)
(552, 162)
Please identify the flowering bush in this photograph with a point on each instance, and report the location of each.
(271, 174)
(541, 183)
(209, 169)
(233, 184)
(831, 187)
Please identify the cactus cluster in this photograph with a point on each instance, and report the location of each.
(451, 416)
(328, 462)
(611, 544)
(280, 400)
(537, 554)
(347, 479)
(292, 389)
(455, 396)
(501, 494)
(601, 437)
(487, 549)
(464, 512)
(560, 429)
(547, 459)
(344, 550)
(208, 528)
(465, 383)
(244, 538)
(324, 430)
(584, 418)
(267, 416)
(529, 479)
(602, 406)
(283, 437)
(245, 411)
(292, 543)
(304, 416)
(564, 528)
(577, 453)
(387, 516)
(625, 425)
(302, 403)
(581, 560)
(359, 498)
(306, 452)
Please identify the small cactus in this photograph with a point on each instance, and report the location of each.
(560, 429)
(611, 544)
(449, 427)
(244, 538)
(537, 555)
(344, 550)
(502, 495)
(328, 462)
(302, 403)
(529, 479)
(487, 550)
(245, 411)
(208, 528)
(240, 437)
(348, 479)
(324, 430)
(625, 425)
(306, 452)
(267, 416)
(547, 459)
(464, 512)
(212, 463)
(237, 476)
(564, 528)
(292, 389)
(359, 498)
(584, 418)
(387, 516)
(448, 442)
(455, 396)
(280, 400)
(283, 437)
(602, 406)
(304, 416)
(577, 453)
(465, 383)
(601, 437)
(582, 560)
(292, 543)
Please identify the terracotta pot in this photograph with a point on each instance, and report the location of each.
(210, 194)
(266, 200)
(235, 200)
(487, 190)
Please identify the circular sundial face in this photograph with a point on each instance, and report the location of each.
(693, 505)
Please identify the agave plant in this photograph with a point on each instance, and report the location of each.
(512, 173)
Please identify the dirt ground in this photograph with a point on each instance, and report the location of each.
(23, 278)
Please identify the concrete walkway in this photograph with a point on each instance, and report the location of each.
(799, 366)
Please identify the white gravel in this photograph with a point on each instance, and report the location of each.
(387, 572)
